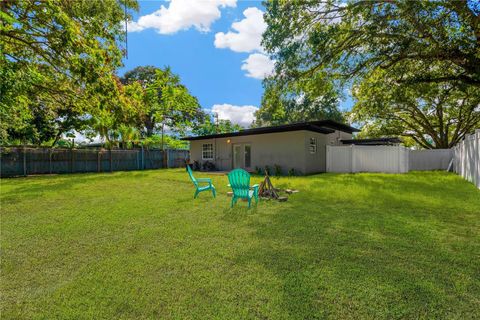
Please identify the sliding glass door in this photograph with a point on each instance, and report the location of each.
(242, 155)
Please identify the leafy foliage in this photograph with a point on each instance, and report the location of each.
(165, 142)
(354, 38)
(144, 75)
(430, 115)
(57, 56)
(207, 126)
(397, 55)
(280, 105)
(165, 102)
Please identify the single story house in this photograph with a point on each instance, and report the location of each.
(297, 146)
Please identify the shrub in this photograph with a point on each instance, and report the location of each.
(267, 170)
(196, 165)
(291, 172)
(208, 166)
(277, 170)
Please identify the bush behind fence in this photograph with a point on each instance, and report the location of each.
(17, 161)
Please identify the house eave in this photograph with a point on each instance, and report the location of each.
(323, 126)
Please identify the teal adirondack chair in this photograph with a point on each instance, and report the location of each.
(199, 188)
(240, 183)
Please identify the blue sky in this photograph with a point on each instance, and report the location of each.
(221, 64)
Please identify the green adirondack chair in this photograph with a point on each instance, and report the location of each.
(240, 183)
(199, 188)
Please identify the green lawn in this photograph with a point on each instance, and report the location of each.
(135, 245)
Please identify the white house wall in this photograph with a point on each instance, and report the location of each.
(317, 162)
(285, 149)
(289, 150)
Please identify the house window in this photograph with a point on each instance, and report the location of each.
(207, 151)
(313, 145)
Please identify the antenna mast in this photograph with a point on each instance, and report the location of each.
(126, 29)
(215, 116)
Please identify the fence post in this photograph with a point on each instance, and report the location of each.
(164, 158)
(136, 159)
(111, 164)
(327, 158)
(143, 159)
(98, 161)
(167, 156)
(352, 162)
(407, 159)
(476, 162)
(71, 160)
(24, 161)
(50, 161)
(398, 159)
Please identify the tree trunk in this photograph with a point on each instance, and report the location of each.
(57, 137)
(149, 125)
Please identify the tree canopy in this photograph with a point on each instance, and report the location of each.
(281, 103)
(206, 126)
(165, 101)
(57, 60)
(57, 75)
(388, 52)
(356, 37)
(429, 115)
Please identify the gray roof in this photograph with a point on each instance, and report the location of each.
(320, 126)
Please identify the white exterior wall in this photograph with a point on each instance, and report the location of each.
(317, 162)
(289, 150)
(285, 149)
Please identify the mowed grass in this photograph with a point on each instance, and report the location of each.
(135, 245)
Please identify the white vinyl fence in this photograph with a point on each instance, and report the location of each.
(435, 159)
(398, 159)
(391, 159)
(467, 158)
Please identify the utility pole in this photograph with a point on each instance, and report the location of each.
(215, 117)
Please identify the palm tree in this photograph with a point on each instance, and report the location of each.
(128, 136)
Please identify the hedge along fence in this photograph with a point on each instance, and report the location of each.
(19, 161)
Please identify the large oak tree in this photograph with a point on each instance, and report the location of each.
(411, 48)
(58, 55)
(166, 102)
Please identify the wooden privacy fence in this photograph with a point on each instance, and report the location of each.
(26, 161)
(467, 158)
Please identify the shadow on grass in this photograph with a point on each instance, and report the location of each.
(372, 254)
(35, 186)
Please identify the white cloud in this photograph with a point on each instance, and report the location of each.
(246, 35)
(241, 115)
(81, 138)
(134, 26)
(182, 15)
(258, 66)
